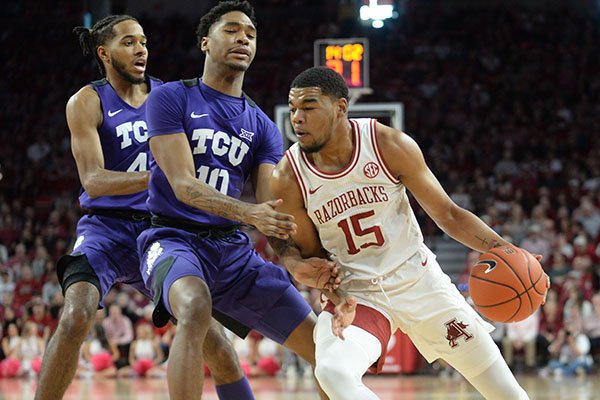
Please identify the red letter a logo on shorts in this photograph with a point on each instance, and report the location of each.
(455, 331)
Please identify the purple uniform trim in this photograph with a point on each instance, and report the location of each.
(242, 285)
(109, 244)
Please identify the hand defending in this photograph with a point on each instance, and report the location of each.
(317, 273)
(343, 316)
(270, 222)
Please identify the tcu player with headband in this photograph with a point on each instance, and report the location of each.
(345, 183)
(107, 120)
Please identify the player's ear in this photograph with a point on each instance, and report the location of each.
(103, 53)
(204, 44)
(342, 105)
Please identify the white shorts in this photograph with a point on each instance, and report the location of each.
(420, 299)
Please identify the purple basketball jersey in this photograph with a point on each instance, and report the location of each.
(124, 140)
(226, 145)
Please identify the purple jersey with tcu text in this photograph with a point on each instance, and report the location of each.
(124, 140)
(228, 137)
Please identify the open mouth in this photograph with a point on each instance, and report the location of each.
(140, 65)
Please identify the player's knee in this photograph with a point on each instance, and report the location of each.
(193, 309)
(332, 374)
(76, 321)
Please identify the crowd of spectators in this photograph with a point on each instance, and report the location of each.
(503, 102)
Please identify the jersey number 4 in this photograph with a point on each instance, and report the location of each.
(140, 164)
(352, 229)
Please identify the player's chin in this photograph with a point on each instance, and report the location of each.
(241, 66)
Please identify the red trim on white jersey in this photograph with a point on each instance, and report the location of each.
(382, 163)
(297, 174)
(349, 167)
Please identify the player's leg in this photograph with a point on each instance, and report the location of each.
(62, 353)
(341, 364)
(173, 272)
(498, 383)
(190, 303)
(224, 365)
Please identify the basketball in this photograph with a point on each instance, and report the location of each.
(507, 284)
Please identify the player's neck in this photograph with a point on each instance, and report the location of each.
(337, 154)
(129, 92)
(224, 80)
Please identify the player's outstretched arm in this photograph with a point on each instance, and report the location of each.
(84, 116)
(174, 157)
(302, 254)
(405, 159)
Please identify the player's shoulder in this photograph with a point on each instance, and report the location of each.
(283, 175)
(84, 98)
(167, 89)
(263, 119)
(154, 80)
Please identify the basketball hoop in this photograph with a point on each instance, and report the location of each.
(355, 94)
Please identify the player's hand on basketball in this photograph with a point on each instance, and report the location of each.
(270, 222)
(547, 288)
(343, 316)
(317, 272)
(539, 258)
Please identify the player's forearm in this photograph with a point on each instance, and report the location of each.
(465, 227)
(289, 254)
(104, 182)
(203, 197)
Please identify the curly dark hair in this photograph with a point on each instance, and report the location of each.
(215, 13)
(331, 83)
(101, 32)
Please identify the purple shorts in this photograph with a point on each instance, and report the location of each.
(109, 244)
(243, 286)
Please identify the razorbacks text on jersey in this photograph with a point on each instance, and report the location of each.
(362, 213)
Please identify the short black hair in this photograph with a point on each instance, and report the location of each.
(215, 13)
(330, 82)
(101, 32)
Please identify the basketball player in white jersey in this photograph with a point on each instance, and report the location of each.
(345, 184)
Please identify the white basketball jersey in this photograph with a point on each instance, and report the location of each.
(362, 213)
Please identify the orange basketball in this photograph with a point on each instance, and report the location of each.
(507, 284)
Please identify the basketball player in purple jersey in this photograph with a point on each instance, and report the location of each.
(107, 120)
(207, 140)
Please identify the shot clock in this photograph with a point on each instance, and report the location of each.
(348, 57)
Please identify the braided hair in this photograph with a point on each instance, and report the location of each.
(101, 32)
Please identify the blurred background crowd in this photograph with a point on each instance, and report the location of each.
(503, 100)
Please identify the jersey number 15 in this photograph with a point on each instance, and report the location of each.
(352, 229)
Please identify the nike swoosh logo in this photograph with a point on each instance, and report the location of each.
(314, 190)
(194, 115)
(424, 263)
(113, 113)
(490, 263)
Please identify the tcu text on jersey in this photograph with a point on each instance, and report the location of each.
(221, 144)
(138, 128)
